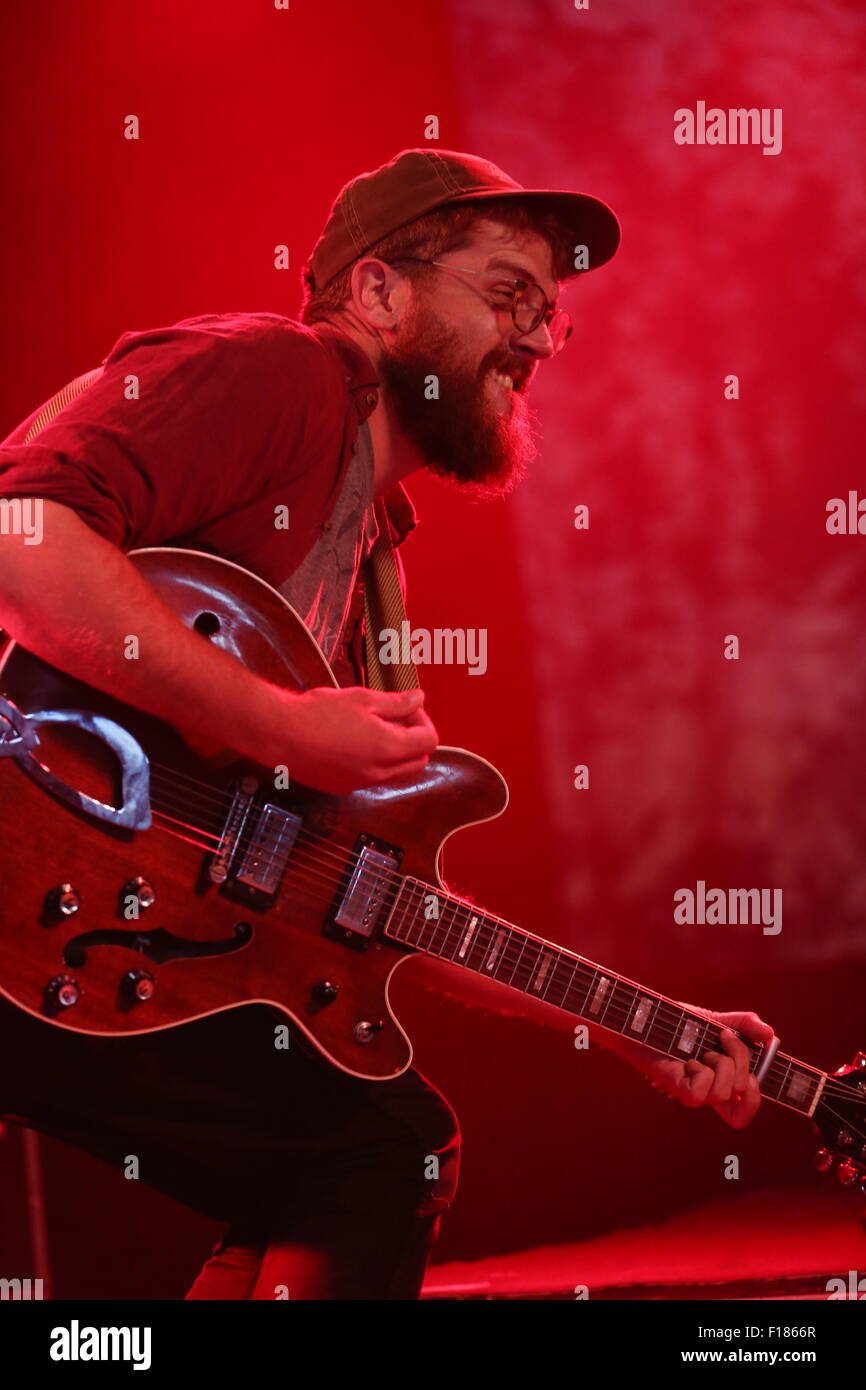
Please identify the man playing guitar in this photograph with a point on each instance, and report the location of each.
(208, 434)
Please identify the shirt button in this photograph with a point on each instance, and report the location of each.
(326, 525)
(370, 399)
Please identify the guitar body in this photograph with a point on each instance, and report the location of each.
(148, 879)
(154, 938)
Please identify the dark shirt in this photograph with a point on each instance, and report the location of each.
(236, 415)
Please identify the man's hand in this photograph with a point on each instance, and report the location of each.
(719, 1079)
(340, 740)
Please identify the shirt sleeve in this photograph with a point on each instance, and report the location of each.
(185, 425)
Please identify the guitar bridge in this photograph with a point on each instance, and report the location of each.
(242, 800)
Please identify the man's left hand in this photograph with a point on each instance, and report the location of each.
(720, 1079)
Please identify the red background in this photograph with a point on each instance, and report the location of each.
(707, 517)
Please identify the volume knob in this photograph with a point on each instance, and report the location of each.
(141, 889)
(62, 992)
(365, 1031)
(138, 984)
(63, 901)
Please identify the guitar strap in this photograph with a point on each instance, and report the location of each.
(383, 608)
(61, 398)
(383, 593)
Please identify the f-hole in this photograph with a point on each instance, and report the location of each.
(208, 624)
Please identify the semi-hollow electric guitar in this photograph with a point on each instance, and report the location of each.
(143, 886)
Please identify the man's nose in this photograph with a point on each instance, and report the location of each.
(538, 342)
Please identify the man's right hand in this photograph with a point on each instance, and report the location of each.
(340, 740)
(74, 600)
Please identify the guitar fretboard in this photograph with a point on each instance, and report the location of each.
(431, 920)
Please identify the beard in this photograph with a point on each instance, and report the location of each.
(461, 435)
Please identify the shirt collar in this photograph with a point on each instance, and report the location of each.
(362, 380)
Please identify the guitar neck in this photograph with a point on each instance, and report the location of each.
(435, 922)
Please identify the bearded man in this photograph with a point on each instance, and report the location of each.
(431, 302)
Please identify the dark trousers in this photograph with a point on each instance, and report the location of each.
(330, 1187)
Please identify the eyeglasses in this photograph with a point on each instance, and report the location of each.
(528, 303)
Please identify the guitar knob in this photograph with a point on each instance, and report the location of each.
(325, 992)
(63, 901)
(847, 1173)
(140, 889)
(823, 1160)
(62, 992)
(365, 1032)
(138, 985)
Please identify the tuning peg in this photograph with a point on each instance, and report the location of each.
(823, 1160)
(846, 1173)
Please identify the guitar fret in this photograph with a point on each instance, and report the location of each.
(410, 918)
(620, 988)
(553, 980)
(466, 940)
(784, 1082)
(689, 1033)
(496, 947)
(477, 949)
(599, 994)
(798, 1086)
(590, 990)
(637, 1021)
(394, 924)
(517, 962)
(541, 973)
(562, 981)
(506, 960)
(491, 947)
(653, 1020)
(428, 909)
(819, 1082)
(441, 923)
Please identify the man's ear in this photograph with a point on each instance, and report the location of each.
(379, 293)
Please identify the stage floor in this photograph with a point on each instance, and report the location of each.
(778, 1243)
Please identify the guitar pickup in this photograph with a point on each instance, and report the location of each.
(267, 852)
(361, 905)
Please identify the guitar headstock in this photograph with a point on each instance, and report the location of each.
(840, 1118)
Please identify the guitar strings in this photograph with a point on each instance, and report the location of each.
(861, 1134)
(663, 1014)
(585, 973)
